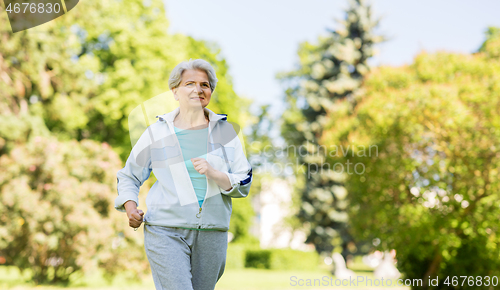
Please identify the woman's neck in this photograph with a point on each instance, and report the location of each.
(191, 119)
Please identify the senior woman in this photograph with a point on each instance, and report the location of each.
(200, 165)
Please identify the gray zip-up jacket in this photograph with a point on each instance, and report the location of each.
(172, 201)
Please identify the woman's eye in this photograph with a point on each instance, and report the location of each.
(205, 85)
(189, 84)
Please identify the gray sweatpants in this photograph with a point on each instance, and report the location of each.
(183, 259)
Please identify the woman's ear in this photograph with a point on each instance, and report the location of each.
(175, 94)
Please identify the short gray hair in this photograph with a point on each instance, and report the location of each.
(197, 64)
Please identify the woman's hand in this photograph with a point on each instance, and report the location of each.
(134, 215)
(203, 167)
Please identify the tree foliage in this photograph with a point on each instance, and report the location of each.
(102, 60)
(66, 90)
(432, 190)
(56, 207)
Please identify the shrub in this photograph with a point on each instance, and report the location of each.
(258, 258)
(57, 214)
(278, 259)
(288, 259)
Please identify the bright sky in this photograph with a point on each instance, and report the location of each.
(260, 38)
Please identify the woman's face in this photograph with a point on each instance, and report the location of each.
(194, 90)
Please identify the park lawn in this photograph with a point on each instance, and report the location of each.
(259, 279)
(244, 279)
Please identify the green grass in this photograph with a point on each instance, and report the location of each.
(257, 279)
(11, 278)
(244, 279)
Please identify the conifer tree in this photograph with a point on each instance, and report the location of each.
(328, 79)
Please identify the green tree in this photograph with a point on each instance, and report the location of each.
(77, 79)
(57, 213)
(491, 47)
(90, 68)
(327, 80)
(257, 140)
(431, 191)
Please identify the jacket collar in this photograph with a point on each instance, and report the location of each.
(169, 117)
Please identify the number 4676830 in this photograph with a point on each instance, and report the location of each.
(33, 8)
(471, 281)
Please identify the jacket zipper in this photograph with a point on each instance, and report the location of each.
(198, 215)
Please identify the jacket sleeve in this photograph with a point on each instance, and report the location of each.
(136, 171)
(240, 176)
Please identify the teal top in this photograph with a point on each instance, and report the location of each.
(194, 144)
